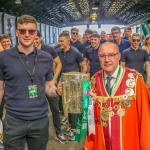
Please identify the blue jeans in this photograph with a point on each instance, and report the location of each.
(19, 132)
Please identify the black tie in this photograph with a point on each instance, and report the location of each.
(108, 85)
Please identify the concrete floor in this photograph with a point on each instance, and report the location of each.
(56, 145)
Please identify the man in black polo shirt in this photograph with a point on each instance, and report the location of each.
(122, 43)
(75, 42)
(88, 33)
(91, 55)
(135, 57)
(53, 101)
(26, 73)
(72, 60)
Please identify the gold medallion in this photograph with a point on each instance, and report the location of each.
(109, 109)
(129, 91)
(111, 114)
(104, 116)
(116, 107)
(127, 103)
(121, 112)
(130, 75)
(130, 83)
(125, 97)
(104, 124)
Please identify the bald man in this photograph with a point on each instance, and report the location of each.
(121, 106)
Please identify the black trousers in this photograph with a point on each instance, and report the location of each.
(54, 105)
(61, 105)
(17, 132)
(71, 116)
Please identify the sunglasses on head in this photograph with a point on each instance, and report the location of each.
(75, 33)
(134, 40)
(23, 31)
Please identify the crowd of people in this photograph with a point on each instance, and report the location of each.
(119, 68)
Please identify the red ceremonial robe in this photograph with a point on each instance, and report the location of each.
(130, 132)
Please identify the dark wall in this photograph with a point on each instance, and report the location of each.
(1, 16)
(8, 26)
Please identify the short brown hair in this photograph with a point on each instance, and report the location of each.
(39, 33)
(26, 19)
(128, 28)
(74, 29)
(88, 31)
(115, 28)
(65, 34)
(136, 34)
(146, 39)
(4, 36)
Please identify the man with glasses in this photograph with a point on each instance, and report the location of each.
(122, 43)
(135, 57)
(26, 74)
(74, 40)
(121, 114)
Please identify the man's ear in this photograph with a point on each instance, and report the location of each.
(17, 33)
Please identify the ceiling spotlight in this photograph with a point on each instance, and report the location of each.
(17, 1)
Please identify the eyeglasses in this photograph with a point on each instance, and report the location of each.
(23, 31)
(74, 33)
(134, 40)
(115, 33)
(110, 56)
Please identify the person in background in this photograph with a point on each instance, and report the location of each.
(135, 58)
(127, 33)
(57, 45)
(91, 55)
(103, 37)
(72, 61)
(1, 48)
(75, 42)
(84, 37)
(110, 38)
(53, 101)
(5, 41)
(122, 43)
(26, 74)
(146, 45)
(80, 38)
(88, 33)
(121, 106)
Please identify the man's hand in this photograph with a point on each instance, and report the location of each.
(51, 89)
(59, 88)
(93, 95)
(148, 84)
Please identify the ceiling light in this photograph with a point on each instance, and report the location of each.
(94, 8)
(17, 1)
